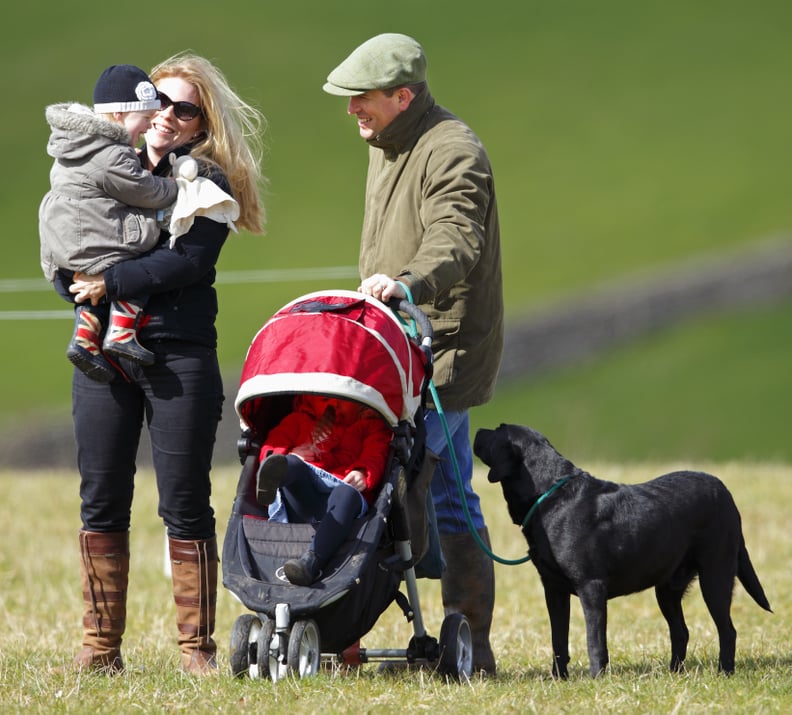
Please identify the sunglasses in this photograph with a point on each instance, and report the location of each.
(183, 110)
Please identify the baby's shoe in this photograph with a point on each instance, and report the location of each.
(271, 475)
(303, 571)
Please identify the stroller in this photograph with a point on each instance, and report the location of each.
(346, 345)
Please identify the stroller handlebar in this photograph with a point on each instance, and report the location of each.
(413, 311)
(424, 327)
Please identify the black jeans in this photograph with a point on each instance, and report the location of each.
(180, 397)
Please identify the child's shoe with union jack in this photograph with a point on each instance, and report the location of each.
(121, 338)
(84, 350)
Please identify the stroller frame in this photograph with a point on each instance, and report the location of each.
(283, 635)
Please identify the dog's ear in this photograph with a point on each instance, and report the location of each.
(501, 456)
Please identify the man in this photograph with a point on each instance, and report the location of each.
(430, 232)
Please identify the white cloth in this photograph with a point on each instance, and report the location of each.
(199, 196)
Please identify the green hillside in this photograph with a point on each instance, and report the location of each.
(623, 135)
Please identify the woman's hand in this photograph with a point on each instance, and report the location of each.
(356, 479)
(85, 287)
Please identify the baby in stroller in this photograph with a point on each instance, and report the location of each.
(322, 463)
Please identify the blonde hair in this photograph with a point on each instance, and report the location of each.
(232, 132)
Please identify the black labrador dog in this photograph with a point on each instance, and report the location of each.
(599, 540)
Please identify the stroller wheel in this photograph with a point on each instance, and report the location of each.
(304, 652)
(259, 639)
(239, 652)
(456, 647)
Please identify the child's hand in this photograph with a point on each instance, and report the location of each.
(356, 479)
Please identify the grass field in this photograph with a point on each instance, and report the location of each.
(713, 388)
(40, 610)
(624, 136)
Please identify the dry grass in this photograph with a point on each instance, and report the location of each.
(40, 615)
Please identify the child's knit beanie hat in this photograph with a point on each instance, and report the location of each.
(124, 88)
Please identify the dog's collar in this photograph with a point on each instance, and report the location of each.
(557, 485)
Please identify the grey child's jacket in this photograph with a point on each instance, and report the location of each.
(102, 204)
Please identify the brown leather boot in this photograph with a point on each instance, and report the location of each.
(468, 586)
(194, 571)
(104, 567)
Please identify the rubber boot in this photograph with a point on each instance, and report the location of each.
(104, 568)
(84, 349)
(194, 573)
(468, 587)
(120, 340)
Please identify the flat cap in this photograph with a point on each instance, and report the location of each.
(385, 61)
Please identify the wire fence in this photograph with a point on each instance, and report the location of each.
(275, 275)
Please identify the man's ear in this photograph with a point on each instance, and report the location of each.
(405, 96)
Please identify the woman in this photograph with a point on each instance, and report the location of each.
(180, 395)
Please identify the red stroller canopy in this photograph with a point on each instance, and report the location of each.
(338, 343)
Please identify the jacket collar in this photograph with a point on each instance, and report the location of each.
(401, 134)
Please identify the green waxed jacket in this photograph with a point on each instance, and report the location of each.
(431, 221)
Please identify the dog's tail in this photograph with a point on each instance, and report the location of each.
(749, 579)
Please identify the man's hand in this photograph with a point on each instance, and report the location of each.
(382, 287)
